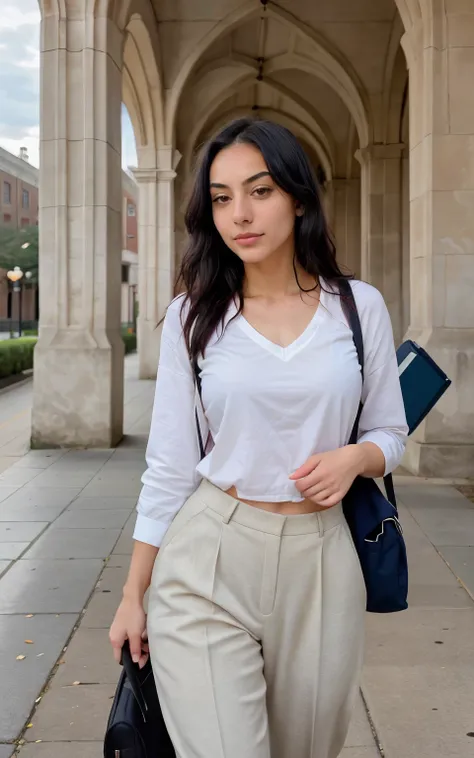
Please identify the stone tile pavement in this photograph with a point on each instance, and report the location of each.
(66, 519)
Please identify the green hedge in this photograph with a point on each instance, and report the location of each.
(16, 355)
(130, 342)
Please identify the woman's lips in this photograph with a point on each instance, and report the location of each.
(248, 239)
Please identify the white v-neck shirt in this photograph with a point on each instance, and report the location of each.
(267, 408)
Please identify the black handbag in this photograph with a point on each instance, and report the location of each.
(135, 728)
(372, 517)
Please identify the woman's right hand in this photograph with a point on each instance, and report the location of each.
(130, 624)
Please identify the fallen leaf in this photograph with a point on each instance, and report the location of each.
(29, 616)
(62, 661)
(76, 683)
(36, 741)
(29, 642)
(28, 726)
(38, 699)
(21, 657)
(39, 655)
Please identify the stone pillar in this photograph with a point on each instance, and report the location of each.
(381, 232)
(156, 254)
(440, 55)
(346, 223)
(78, 371)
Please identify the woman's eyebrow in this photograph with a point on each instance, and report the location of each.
(217, 185)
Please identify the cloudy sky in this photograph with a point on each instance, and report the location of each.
(19, 82)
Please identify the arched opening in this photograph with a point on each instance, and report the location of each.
(130, 219)
(129, 142)
(268, 65)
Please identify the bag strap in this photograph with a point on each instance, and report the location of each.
(132, 676)
(197, 383)
(351, 313)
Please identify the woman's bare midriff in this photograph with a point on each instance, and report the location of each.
(286, 508)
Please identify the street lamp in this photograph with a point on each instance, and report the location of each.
(15, 276)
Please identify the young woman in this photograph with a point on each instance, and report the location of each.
(257, 600)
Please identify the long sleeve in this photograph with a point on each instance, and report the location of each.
(383, 419)
(172, 452)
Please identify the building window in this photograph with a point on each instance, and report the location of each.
(26, 199)
(125, 273)
(7, 193)
(130, 209)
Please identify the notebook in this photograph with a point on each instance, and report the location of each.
(422, 382)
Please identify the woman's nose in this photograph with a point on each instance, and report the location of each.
(242, 211)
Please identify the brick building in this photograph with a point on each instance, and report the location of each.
(129, 248)
(19, 182)
(19, 190)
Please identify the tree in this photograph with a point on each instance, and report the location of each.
(19, 247)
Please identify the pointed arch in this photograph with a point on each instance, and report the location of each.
(244, 74)
(335, 71)
(132, 103)
(214, 120)
(142, 85)
(343, 87)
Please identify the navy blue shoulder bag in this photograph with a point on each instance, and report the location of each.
(372, 517)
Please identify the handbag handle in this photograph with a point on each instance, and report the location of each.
(131, 670)
(351, 313)
(198, 385)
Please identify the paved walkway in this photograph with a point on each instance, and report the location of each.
(66, 519)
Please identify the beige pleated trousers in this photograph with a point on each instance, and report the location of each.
(256, 628)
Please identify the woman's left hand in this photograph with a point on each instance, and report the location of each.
(325, 478)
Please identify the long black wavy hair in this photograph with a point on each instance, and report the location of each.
(211, 273)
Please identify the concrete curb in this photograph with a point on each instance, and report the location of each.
(8, 382)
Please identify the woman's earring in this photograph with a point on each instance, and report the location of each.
(299, 210)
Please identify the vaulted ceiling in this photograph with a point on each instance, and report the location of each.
(331, 70)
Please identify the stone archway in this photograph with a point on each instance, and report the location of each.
(351, 94)
(143, 96)
(329, 67)
(211, 88)
(226, 111)
(142, 86)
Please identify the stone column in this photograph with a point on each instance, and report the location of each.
(78, 371)
(381, 231)
(440, 55)
(346, 223)
(156, 254)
